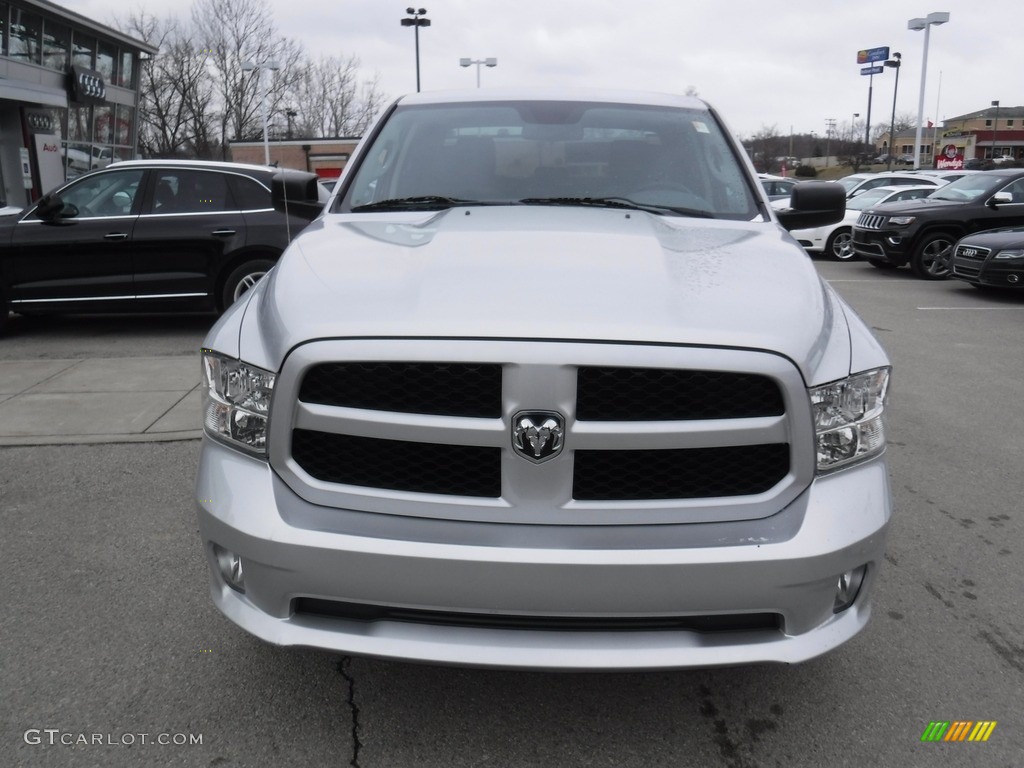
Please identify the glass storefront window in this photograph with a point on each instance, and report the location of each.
(126, 72)
(56, 45)
(4, 11)
(123, 126)
(80, 123)
(103, 124)
(25, 35)
(83, 49)
(105, 54)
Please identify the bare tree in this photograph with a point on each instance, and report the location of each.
(175, 94)
(234, 33)
(332, 101)
(206, 85)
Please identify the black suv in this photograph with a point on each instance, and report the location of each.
(144, 235)
(922, 232)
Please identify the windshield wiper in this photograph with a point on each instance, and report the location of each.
(422, 202)
(617, 202)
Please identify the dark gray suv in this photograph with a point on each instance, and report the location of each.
(145, 235)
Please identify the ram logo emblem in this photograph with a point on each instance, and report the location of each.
(538, 435)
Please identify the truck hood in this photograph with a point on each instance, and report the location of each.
(526, 272)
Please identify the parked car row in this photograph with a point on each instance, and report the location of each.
(921, 233)
(965, 224)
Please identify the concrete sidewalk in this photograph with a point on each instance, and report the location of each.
(100, 400)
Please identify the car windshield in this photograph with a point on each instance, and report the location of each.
(967, 188)
(849, 182)
(663, 159)
(867, 199)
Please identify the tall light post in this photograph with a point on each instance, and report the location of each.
(273, 66)
(939, 17)
(418, 20)
(995, 128)
(853, 131)
(478, 62)
(895, 62)
(830, 124)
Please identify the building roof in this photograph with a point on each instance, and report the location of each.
(988, 112)
(83, 21)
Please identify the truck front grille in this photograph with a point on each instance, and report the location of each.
(444, 389)
(694, 473)
(646, 434)
(399, 465)
(651, 394)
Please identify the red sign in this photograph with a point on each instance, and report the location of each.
(951, 159)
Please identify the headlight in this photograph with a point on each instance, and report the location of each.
(849, 419)
(1017, 253)
(901, 221)
(236, 402)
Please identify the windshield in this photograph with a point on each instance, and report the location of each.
(967, 188)
(867, 199)
(849, 182)
(666, 160)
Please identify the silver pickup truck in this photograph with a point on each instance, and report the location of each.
(547, 385)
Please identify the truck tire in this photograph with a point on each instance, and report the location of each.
(929, 259)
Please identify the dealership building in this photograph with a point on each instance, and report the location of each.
(68, 97)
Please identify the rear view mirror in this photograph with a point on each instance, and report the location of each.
(49, 207)
(296, 193)
(814, 204)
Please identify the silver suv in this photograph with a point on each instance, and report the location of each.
(547, 386)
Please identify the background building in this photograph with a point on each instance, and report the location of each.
(68, 96)
(982, 135)
(324, 157)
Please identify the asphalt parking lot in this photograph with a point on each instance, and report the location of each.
(112, 647)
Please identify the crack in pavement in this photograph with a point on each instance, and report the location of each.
(343, 668)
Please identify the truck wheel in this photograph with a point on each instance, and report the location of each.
(242, 279)
(929, 261)
(840, 245)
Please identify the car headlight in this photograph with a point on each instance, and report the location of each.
(849, 419)
(236, 402)
(901, 221)
(1017, 253)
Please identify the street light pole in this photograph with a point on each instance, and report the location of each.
(995, 128)
(830, 123)
(418, 20)
(248, 66)
(478, 62)
(939, 17)
(895, 62)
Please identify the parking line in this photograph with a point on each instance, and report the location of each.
(1011, 309)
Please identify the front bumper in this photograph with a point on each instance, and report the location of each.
(787, 564)
(880, 245)
(997, 273)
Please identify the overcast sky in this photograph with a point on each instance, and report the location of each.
(791, 64)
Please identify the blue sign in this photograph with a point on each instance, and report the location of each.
(870, 55)
(872, 70)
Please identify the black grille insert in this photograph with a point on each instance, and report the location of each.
(685, 473)
(745, 622)
(399, 465)
(442, 389)
(660, 394)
